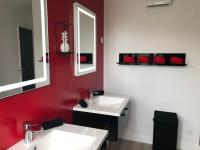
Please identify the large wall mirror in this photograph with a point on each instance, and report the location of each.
(85, 40)
(24, 48)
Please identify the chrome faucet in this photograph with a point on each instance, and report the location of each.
(91, 95)
(28, 132)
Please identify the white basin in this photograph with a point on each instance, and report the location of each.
(108, 101)
(111, 105)
(65, 137)
(60, 140)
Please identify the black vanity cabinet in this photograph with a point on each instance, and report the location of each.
(99, 121)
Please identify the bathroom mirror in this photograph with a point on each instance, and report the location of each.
(24, 61)
(85, 40)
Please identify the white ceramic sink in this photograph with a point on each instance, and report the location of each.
(60, 140)
(107, 105)
(108, 101)
(66, 137)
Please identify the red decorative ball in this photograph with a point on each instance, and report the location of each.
(128, 59)
(83, 59)
(159, 60)
(176, 60)
(144, 59)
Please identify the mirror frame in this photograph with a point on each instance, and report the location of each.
(77, 65)
(45, 48)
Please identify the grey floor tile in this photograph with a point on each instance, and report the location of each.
(128, 145)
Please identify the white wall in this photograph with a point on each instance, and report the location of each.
(130, 26)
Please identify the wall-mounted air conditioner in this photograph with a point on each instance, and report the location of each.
(158, 2)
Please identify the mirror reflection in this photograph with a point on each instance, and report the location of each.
(21, 45)
(85, 40)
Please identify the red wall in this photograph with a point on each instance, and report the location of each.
(57, 99)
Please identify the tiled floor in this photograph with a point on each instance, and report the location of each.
(128, 145)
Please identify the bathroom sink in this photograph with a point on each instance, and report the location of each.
(66, 137)
(108, 101)
(112, 105)
(60, 140)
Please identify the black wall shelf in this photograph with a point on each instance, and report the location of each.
(125, 64)
(88, 57)
(152, 59)
(68, 53)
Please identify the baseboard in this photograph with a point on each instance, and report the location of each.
(138, 138)
(149, 140)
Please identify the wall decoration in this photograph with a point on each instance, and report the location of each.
(144, 59)
(86, 58)
(127, 59)
(156, 59)
(64, 38)
(64, 47)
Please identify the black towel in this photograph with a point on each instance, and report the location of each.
(83, 104)
(51, 124)
(98, 93)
